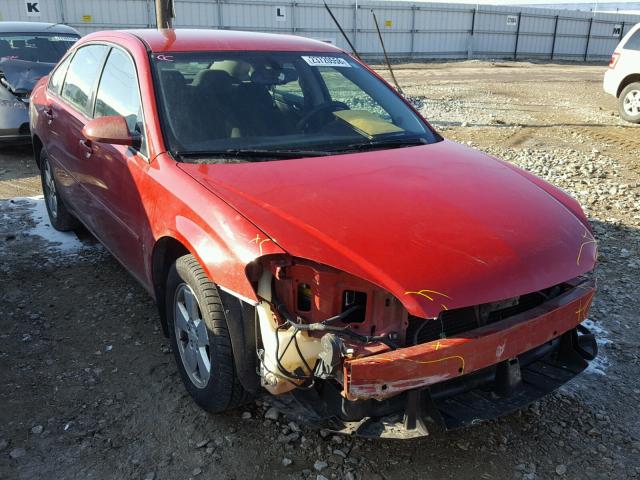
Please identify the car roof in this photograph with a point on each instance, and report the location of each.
(190, 40)
(36, 27)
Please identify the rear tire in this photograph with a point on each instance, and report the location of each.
(59, 216)
(629, 103)
(200, 339)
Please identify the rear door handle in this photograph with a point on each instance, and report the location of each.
(86, 146)
(48, 112)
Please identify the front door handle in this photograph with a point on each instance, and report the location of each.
(85, 145)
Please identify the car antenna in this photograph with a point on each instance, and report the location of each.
(384, 50)
(335, 20)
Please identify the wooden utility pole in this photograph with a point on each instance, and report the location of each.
(164, 13)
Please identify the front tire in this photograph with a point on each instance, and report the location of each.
(200, 338)
(59, 216)
(629, 103)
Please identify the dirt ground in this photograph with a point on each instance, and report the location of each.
(89, 388)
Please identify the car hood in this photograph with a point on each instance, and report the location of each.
(439, 226)
(20, 76)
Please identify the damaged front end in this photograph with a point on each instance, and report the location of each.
(355, 361)
(17, 79)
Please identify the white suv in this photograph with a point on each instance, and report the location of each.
(623, 77)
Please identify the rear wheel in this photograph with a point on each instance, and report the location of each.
(200, 338)
(59, 216)
(629, 103)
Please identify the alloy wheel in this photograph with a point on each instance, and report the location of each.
(632, 102)
(192, 336)
(50, 194)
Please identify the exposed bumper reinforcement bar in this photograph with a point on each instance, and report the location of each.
(464, 401)
(387, 374)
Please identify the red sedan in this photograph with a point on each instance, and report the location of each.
(303, 229)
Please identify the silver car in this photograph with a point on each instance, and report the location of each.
(28, 51)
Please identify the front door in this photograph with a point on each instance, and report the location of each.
(113, 173)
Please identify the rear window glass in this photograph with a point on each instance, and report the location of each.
(634, 42)
(37, 47)
(82, 75)
(57, 77)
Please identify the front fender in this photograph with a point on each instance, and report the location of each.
(224, 243)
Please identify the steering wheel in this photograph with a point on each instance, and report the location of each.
(317, 110)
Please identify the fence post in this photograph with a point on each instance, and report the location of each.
(622, 32)
(515, 52)
(150, 16)
(355, 25)
(555, 33)
(293, 17)
(413, 30)
(220, 22)
(473, 31)
(61, 7)
(586, 50)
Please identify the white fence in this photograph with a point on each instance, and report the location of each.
(410, 30)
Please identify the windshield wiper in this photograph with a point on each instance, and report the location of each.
(389, 143)
(255, 154)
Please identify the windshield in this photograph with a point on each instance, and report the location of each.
(35, 47)
(278, 104)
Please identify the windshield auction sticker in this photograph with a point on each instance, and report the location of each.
(57, 38)
(326, 61)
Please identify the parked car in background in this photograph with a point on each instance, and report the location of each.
(303, 229)
(623, 77)
(28, 51)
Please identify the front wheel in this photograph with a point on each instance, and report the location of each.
(200, 338)
(629, 103)
(59, 216)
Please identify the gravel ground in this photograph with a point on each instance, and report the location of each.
(89, 389)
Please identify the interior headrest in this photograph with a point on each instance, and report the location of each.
(215, 82)
(238, 69)
(172, 79)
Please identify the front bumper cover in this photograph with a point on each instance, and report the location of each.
(388, 374)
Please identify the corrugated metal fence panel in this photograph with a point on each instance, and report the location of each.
(91, 15)
(536, 36)
(444, 33)
(571, 41)
(16, 10)
(195, 14)
(409, 29)
(494, 36)
(604, 38)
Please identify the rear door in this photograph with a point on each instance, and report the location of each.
(69, 113)
(52, 126)
(113, 173)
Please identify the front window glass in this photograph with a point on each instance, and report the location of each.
(118, 92)
(253, 103)
(82, 75)
(35, 47)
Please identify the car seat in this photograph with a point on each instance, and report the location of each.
(214, 89)
(5, 48)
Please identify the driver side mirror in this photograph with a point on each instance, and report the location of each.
(110, 129)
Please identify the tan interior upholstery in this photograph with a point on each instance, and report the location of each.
(238, 70)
